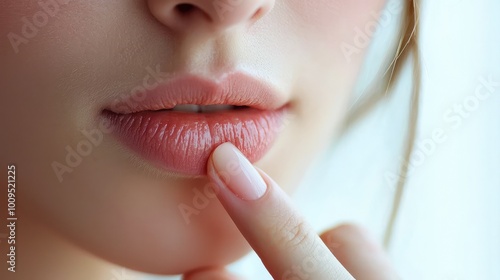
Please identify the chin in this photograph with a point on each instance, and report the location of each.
(159, 240)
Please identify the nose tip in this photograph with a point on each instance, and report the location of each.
(213, 15)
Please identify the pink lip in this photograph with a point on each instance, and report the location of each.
(181, 142)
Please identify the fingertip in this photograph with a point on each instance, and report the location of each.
(230, 169)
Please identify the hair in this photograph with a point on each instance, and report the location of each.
(410, 36)
(407, 48)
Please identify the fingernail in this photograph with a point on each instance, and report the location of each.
(237, 173)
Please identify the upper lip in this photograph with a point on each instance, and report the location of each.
(238, 89)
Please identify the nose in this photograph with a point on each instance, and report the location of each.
(183, 16)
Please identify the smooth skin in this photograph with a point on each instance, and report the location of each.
(283, 239)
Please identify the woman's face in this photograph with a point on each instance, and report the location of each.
(67, 65)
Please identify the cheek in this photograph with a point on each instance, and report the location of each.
(335, 35)
(330, 60)
(327, 14)
(335, 23)
(25, 23)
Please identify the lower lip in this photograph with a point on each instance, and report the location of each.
(182, 142)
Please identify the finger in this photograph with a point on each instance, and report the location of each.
(286, 243)
(359, 253)
(210, 274)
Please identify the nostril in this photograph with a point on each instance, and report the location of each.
(190, 11)
(209, 16)
(184, 9)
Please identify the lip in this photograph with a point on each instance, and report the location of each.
(181, 142)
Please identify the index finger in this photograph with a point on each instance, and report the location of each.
(285, 242)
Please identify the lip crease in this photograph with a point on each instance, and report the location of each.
(181, 142)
